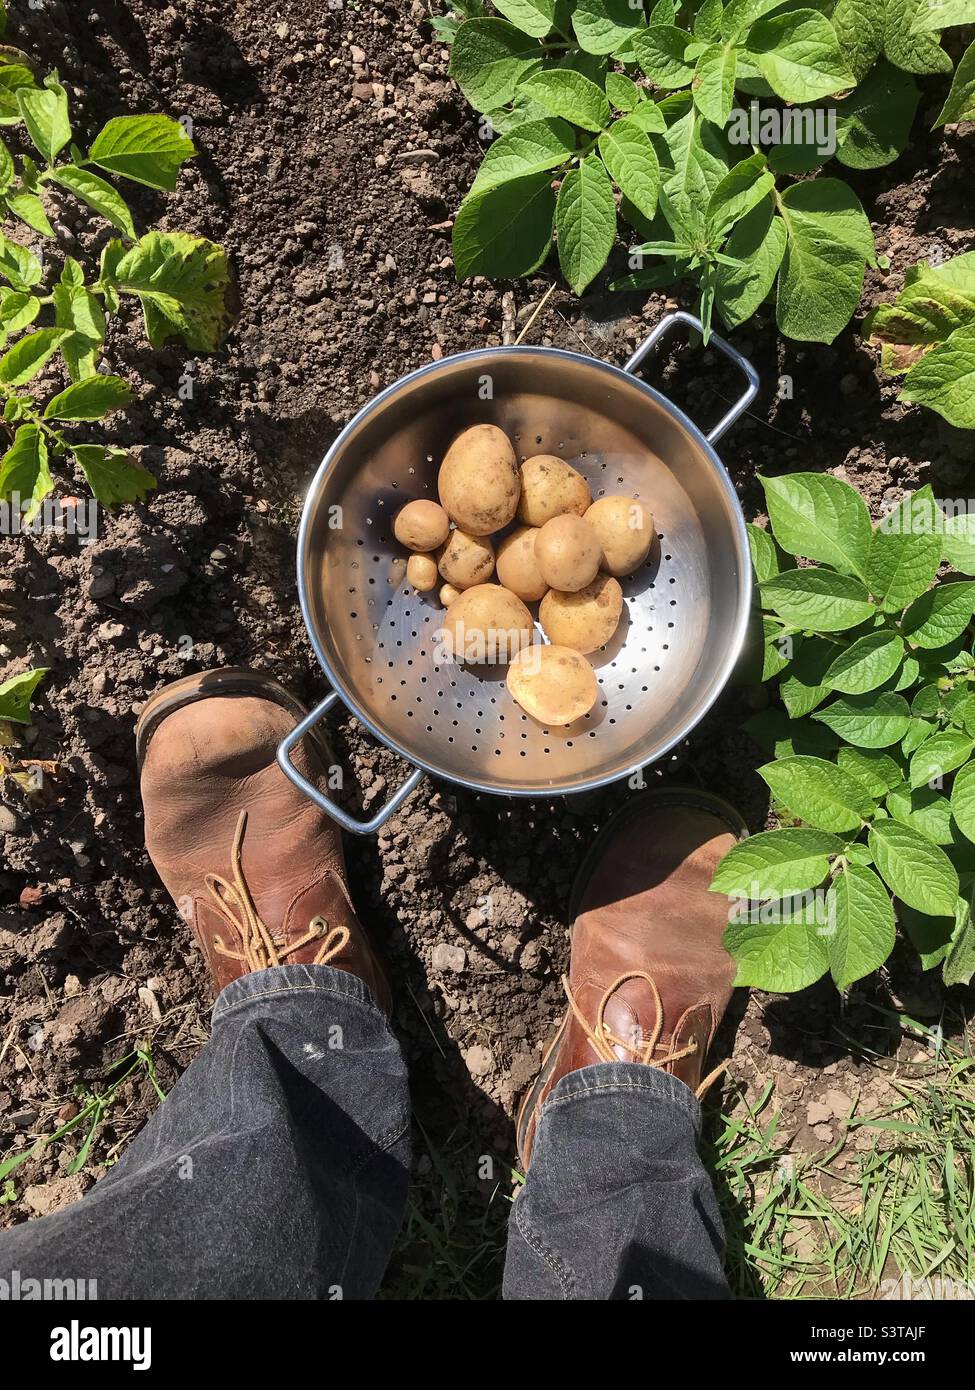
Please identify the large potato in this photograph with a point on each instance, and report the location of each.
(585, 620)
(421, 572)
(478, 482)
(486, 624)
(625, 530)
(567, 553)
(550, 487)
(517, 567)
(466, 560)
(553, 684)
(421, 525)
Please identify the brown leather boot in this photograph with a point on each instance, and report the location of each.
(255, 868)
(649, 978)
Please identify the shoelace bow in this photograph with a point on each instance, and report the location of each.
(604, 1041)
(259, 950)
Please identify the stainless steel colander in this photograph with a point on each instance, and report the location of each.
(685, 610)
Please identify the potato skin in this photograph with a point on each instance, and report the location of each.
(585, 620)
(479, 484)
(447, 594)
(517, 567)
(550, 487)
(421, 525)
(555, 685)
(466, 560)
(625, 530)
(567, 553)
(486, 624)
(421, 572)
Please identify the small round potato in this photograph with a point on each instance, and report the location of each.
(555, 685)
(625, 530)
(421, 525)
(517, 567)
(567, 553)
(585, 620)
(447, 594)
(478, 481)
(550, 487)
(466, 560)
(486, 624)
(421, 572)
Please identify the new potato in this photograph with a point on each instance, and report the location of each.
(550, 487)
(466, 560)
(486, 624)
(421, 572)
(625, 530)
(421, 525)
(447, 594)
(517, 567)
(478, 482)
(567, 553)
(555, 685)
(586, 619)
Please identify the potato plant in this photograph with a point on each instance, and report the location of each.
(872, 774)
(54, 309)
(648, 115)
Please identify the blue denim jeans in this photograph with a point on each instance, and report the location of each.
(278, 1167)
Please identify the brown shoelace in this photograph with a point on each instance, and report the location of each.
(604, 1041)
(259, 950)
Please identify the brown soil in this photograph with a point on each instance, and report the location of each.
(333, 152)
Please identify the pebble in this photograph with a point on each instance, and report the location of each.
(447, 957)
(479, 1060)
(10, 822)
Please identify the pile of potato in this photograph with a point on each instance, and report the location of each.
(567, 554)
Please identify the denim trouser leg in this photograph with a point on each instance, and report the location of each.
(616, 1203)
(277, 1167)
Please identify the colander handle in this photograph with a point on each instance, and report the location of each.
(347, 822)
(743, 401)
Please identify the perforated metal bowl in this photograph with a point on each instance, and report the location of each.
(685, 610)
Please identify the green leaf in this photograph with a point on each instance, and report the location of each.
(818, 599)
(877, 770)
(534, 17)
(862, 916)
(874, 721)
(26, 358)
(782, 950)
(866, 663)
(528, 149)
(859, 26)
(944, 379)
(960, 101)
(183, 283)
(146, 149)
(776, 864)
(942, 14)
(757, 243)
(570, 95)
(715, 74)
(739, 14)
(766, 557)
(818, 792)
(874, 124)
(506, 230)
(632, 164)
(920, 730)
(17, 310)
(13, 77)
(963, 800)
(99, 195)
(958, 541)
(909, 50)
(799, 55)
(938, 756)
(29, 208)
(18, 265)
(829, 243)
(699, 155)
(742, 188)
(783, 737)
(647, 116)
(78, 311)
(90, 399)
(24, 472)
(45, 113)
(940, 615)
(901, 562)
(623, 93)
(959, 966)
(820, 518)
(802, 689)
(15, 694)
(924, 809)
(707, 21)
(660, 52)
(585, 222)
(603, 26)
(112, 474)
(914, 869)
(930, 936)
